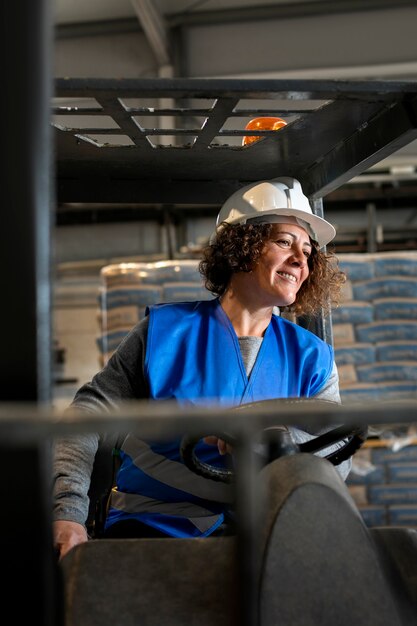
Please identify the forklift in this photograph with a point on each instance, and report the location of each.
(302, 554)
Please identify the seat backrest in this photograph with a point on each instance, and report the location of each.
(102, 480)
(151, 582)
(320, 563)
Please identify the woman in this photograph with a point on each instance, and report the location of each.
(234, 349)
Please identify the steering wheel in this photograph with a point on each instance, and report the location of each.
(279, 442)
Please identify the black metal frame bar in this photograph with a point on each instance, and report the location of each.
(352, 125)
(26, 203)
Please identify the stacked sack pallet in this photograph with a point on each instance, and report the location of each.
(383, 481)
(375, 340)
(128, 288)
(375, 328)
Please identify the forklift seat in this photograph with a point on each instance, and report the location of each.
(319, 565)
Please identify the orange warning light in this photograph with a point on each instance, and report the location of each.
(262, 123)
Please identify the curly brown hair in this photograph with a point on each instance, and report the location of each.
(238, 247)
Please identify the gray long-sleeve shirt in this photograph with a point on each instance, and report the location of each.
(121, 380)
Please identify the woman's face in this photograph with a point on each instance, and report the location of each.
(282, 267)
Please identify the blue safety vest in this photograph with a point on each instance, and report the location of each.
(193, 356)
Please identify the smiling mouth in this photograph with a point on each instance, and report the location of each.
(289, 277)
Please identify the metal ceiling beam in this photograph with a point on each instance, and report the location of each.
(97, 28)
(280, 11)
(154, 27)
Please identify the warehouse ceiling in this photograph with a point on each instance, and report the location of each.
(157, 18)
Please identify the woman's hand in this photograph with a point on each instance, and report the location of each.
(222, 446)
(67, 535)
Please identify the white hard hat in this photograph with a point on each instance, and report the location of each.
(269, 201)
